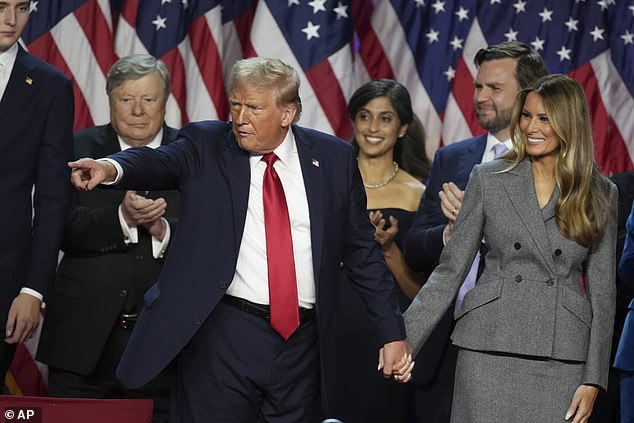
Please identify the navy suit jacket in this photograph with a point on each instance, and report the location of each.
(423, 243)
(206, 164)
(36, 141)
(452, 163)
(625, 354)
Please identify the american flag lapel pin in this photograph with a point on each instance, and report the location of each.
(28, 80)
(315, 162)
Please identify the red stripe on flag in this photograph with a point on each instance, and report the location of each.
(174, 62)
(210, 64)
(462, 90)
(610, 150)
(243, 24)
(328, 91)
(129, 11)
(95, 26)
(46, 49)
(26, 373)
(370, 48)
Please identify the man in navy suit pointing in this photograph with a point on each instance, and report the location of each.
(247, 301)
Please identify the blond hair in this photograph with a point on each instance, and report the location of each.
(270, 74)
(584, 192)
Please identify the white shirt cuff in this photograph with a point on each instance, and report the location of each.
(119, 171)
(35, 294)
(130, 233)
(159, 247)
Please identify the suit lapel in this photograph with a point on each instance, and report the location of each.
(520, 188)
(311, 162)
(235, 165)
(471, 157)
(23, 83)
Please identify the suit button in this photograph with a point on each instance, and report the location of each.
(223, 284)
(550, 282)
(139, 257)
(518, 278)
(123, 293)
(557, 252)
(517, 245)
(197, 322)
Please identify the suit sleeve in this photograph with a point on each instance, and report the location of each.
(366, 266)
(436, 296)
(626, 265)
(93, 228)
(52, 189)
(424, 243)
(601, 290)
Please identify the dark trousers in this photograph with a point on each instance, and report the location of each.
(627, 396)
(237, 369)
(7, 351)
(102, 382)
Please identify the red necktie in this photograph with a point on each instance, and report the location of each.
(279, 252)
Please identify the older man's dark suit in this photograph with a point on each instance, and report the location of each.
(36, 124)
(100, 275)
(213, 175)
(435, 363)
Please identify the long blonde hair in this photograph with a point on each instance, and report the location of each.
(584, 192)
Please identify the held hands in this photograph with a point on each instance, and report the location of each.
(450, 202)
(88, 173)
(140, 211)
(395, 359)
(23, 318)
(384, 236)
(582, 403)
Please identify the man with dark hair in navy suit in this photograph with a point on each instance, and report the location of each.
(36, 123)
(247, 302)
(503, 70)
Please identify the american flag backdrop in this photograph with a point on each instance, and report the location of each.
(428, 45)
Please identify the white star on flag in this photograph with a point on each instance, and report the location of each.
(572, 24)
(462, 14)
(432, 36)
(159, 22)
(564, 53)
(317, 5)
(341, 11)
(311, 31)
(597, 33)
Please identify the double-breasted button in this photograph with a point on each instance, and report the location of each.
(518, 278)
(123, 293)
(517, 245)
(550, 282)
(557, 252)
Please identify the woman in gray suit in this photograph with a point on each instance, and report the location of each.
(534, 334)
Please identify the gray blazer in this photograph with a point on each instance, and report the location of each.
(529, 300)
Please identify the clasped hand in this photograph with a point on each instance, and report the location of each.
(385, 237)
(395, 359)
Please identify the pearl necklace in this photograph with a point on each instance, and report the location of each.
(387, 181)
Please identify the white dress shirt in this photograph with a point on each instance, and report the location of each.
(250, 281)
(489, 152)
(7, 60)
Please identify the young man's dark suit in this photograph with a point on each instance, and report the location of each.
(213, 174)
(100, 276)
(435, 363)
(36, 124)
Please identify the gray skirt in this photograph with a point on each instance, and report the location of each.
(497, 387)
